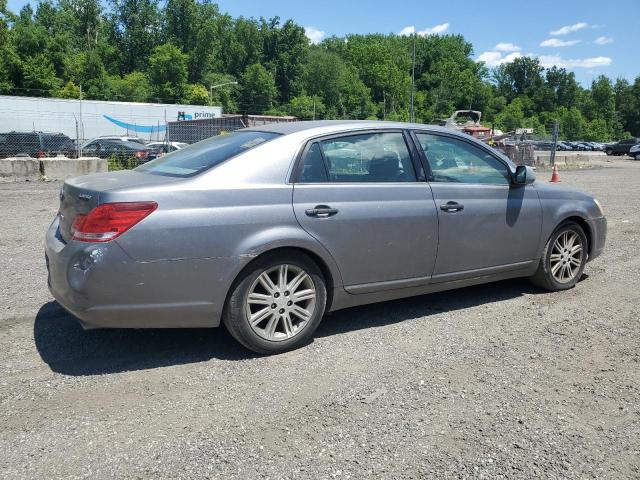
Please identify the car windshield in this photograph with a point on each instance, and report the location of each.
(206, 154)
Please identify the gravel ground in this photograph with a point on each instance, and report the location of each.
(500, 380)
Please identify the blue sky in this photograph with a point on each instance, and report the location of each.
(587, 36)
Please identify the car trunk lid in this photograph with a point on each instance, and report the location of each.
(79, 195)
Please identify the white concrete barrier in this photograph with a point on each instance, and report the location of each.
(19, 169)
(542, 159)
(61, 168)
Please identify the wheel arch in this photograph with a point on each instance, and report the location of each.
(586, 228)
(328, 269)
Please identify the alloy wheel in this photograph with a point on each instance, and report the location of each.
(566, 256)
(280, 302)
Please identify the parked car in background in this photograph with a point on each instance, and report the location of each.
(165, 147)
(580, 146)
(118, 149)
(622, 147)
(267, 228)
(635, 152)
(564, 146)
(124, 138)
(36, 145)
(596, 146)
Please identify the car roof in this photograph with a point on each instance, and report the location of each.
(312, 128)
(336, 126)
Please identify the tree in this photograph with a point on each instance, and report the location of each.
(39, 75)
(225, 96)
(523, 76)
(135, 28)
(168, 72)
(511, 117)
(194, 27)
(285, 51)
(195, 94)
(70, 90)
(132, 87)
(144, 50)
(242, 42)
(9, 60)
(306, 108)
(258, 90)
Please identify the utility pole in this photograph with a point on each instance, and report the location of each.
(384, 105)
(81, 126)
(554, 144)
(314, 108)
(413, 77)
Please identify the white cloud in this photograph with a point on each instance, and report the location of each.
(593, 62)
(603, 40)
(570, 28)
(313, 34)
(556, 42)
(493, 58)
(435, 30)
(408, 30)
(507, 47)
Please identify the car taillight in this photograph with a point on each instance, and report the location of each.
(141, 154)
(40, 154)
(110, 220)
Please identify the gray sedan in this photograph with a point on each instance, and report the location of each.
(268, 228)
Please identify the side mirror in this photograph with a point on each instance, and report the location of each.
(525, 175)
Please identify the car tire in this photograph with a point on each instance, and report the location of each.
(609, 152)
(548, 275)
(282, 327)
(637, 157)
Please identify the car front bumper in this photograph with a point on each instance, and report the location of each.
(598, 236)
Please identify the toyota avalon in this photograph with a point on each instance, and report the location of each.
(268, 228)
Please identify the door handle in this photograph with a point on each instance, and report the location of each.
(452, 207)
(321, 211)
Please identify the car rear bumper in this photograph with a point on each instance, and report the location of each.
(105, 288)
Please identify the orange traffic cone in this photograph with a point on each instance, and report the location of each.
(555, 178)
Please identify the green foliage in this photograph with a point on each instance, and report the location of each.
(174, 51)
(307, 108)
(168, 71)
(258, 89)
(195, 94)
(226, 95)
(133, 87)
(70, 90)
(39, 75)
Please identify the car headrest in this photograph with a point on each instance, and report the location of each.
(384, 166)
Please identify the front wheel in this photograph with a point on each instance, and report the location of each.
(637, 157)
(609, 152)
(563, 260)
(277, 303)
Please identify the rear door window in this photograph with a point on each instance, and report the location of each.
(360, 158)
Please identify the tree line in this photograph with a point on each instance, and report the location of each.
(174, 51)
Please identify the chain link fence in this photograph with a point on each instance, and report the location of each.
(48, 128)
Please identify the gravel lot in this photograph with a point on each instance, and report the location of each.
(500, 380)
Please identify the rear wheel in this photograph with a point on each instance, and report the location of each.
(563, 260)
(637, 157)
(277, 303)
(608, 151)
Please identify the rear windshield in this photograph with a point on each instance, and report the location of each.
(203, 155)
